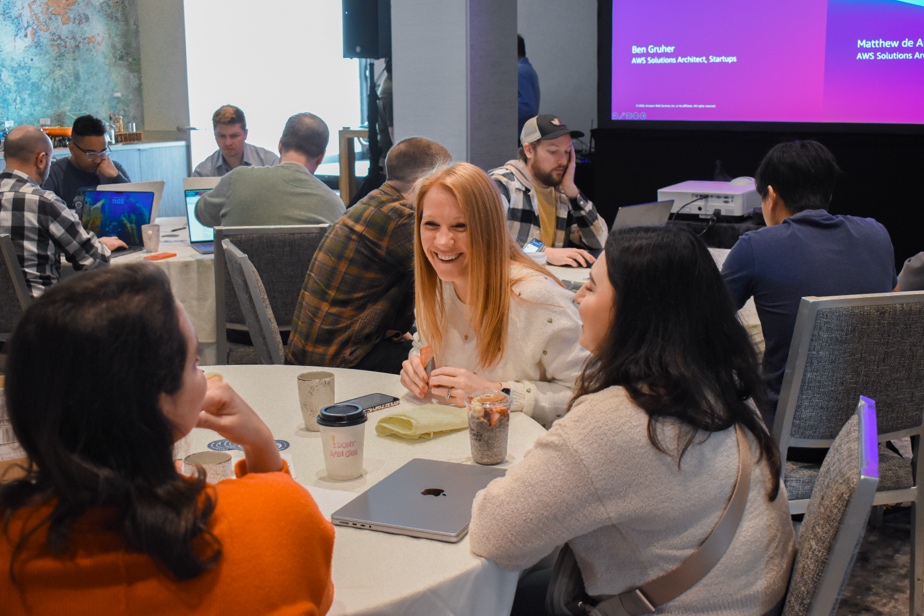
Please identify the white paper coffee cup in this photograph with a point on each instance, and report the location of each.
(315, 391)
(217, 465)
(150, 234)
(343, 430)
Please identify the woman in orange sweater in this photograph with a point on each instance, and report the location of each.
(102, 379)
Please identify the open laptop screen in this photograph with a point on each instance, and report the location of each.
(197, 231)
(117, 214)
(643, 215)
(156, 187)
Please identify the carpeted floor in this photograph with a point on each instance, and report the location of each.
(878, 584)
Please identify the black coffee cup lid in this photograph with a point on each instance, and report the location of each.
(337, 415)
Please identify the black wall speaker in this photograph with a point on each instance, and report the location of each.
(366, 28)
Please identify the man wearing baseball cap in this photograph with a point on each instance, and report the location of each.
(542, 200)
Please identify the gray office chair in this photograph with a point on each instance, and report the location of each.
(835, 518)
(841, 347)
(281, 256)
(13, 289)
(254, 304)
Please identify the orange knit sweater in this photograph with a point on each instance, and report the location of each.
(276, 559)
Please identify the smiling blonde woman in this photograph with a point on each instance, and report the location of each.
(494, 318)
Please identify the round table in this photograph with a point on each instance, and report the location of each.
(378, 573)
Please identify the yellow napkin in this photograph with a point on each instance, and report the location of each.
(423, 422)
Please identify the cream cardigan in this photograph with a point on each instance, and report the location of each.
(595, 481)
(542, 358)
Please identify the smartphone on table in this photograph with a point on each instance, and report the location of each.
(373, 402)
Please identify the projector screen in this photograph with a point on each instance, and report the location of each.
(792, 61)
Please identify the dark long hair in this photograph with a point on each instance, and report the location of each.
(87, 364)
(676, 345)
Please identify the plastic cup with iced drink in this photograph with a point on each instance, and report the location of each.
(488, 422)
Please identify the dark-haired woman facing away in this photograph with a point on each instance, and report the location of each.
(637, 473)
(102, 379)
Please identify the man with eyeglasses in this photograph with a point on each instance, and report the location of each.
(89, 164)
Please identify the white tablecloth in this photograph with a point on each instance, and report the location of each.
(192, 275)
(378, 573)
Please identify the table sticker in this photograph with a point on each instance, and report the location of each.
(226, 445)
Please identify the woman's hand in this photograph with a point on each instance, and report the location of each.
(225, 412)
(414, 376)
(453, 385)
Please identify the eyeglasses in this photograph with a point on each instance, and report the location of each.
(91, 154)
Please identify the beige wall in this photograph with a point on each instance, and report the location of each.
(458, 81)
(561, 44)
(163, 69)
(455, 75)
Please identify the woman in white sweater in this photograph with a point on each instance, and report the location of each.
(639, 470)
(494, 318)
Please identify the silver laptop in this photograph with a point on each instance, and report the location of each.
(430, 499)
(643, 215)
(156, 187)
(201, 238)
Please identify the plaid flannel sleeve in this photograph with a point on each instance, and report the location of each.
(80, 247)
(522, 222)
(588, 230)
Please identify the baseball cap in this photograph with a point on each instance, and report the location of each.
(545, 127)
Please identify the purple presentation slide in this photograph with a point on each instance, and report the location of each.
(856, 61)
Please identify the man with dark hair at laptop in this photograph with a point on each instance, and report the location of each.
(803, 251)
(287, 194)
(88, 165)
(357, 302)
(230, 128)
(542, 199)
(37, 220)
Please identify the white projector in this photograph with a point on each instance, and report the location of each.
(735, 199)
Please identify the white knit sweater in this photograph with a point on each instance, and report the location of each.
(595, 481)
(542, 358)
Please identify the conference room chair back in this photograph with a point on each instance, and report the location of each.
(836, 517)
(13, 290)
(842, 347)
(281, 256)
(258, 315)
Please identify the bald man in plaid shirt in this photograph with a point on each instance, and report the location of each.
(37, 220)
(357, 303)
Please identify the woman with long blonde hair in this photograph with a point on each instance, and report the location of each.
(494, 318)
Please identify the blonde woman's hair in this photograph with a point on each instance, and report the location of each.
(491, 251)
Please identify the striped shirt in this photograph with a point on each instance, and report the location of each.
(42, 227)
(360, 283)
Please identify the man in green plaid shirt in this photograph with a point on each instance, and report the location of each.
(357, 303)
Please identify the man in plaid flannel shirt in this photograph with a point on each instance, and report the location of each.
(37, 220)
(542, 200)
(357, 303)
